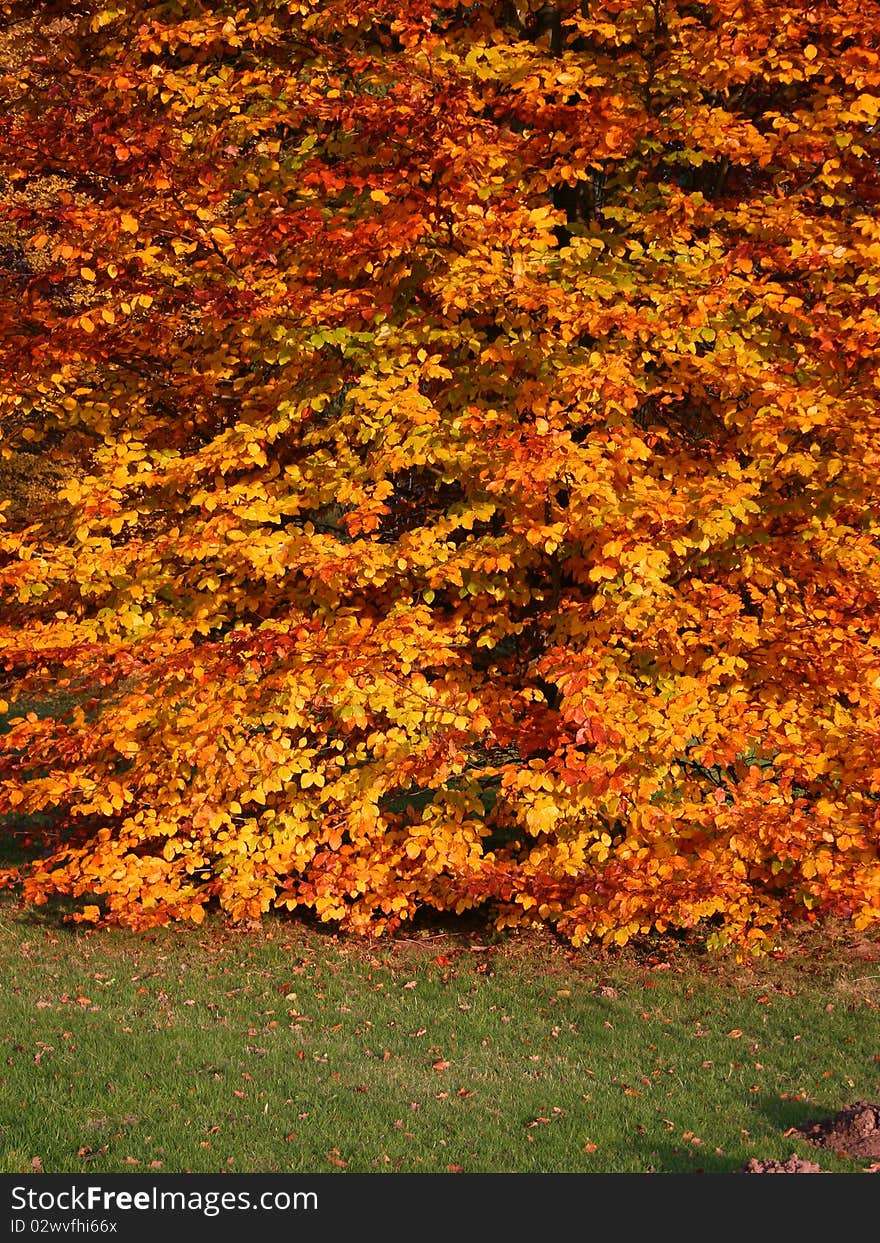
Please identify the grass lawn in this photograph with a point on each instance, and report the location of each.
(284, 1049)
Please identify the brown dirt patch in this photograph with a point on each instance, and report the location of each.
(854, 1132)
(865, 951)
(793, 1165)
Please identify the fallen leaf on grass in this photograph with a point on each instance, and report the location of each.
(334, 1158)
(590, 1147)
(37, 1165)
(441, 1065)
(455, 1169)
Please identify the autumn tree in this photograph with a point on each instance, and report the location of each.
(469, 422)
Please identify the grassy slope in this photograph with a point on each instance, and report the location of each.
(284, 1049)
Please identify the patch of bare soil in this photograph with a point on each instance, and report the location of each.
(854, 1132)
(793, 1165)
(866, 951)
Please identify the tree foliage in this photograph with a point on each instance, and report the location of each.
(470, 424)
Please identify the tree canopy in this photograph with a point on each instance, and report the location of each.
(468, 415)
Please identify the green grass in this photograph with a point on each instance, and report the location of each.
(280, 1049)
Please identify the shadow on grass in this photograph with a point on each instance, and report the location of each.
(785, 1114)
(670, 1159)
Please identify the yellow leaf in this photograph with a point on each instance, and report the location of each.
(129, 224)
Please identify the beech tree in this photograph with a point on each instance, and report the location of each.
(468, 415)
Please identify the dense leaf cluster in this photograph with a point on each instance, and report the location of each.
(469, 422)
